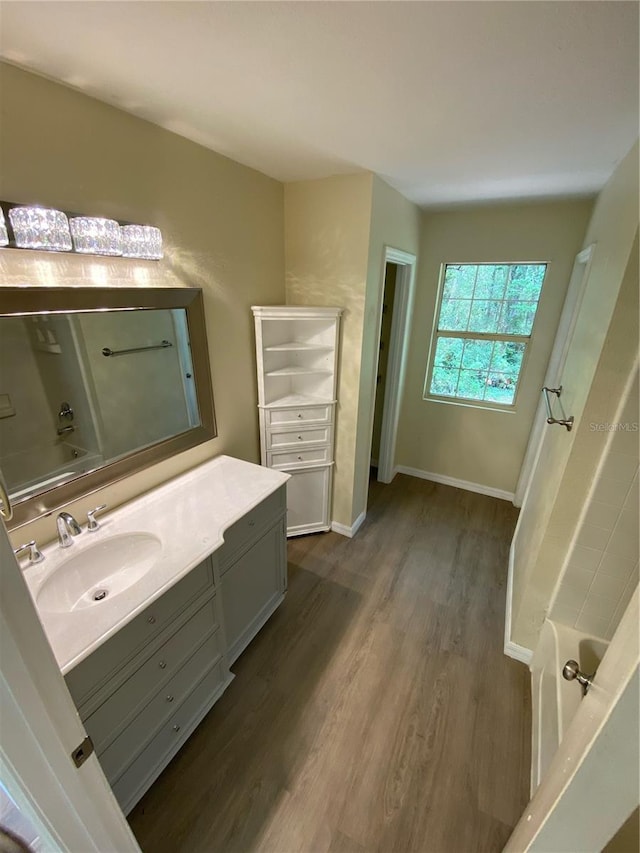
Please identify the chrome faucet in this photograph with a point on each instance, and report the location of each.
(67, 527)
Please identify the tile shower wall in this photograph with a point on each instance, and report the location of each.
(603, 566)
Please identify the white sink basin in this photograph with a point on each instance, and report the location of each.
(99, 572)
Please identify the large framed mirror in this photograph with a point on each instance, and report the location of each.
(96, 384)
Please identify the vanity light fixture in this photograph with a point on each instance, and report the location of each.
(4, 237)
(93, 235)
(59, 231)
(141, 241)
(40, 228)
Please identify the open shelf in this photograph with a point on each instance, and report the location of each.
(293, 370)
(295, 400)
(297, 346)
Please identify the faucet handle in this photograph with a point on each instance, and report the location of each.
(35, 555)
(91, 517)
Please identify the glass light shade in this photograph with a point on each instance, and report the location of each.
(4, 237)
(95, 236)
(141, 241)
(40, 228)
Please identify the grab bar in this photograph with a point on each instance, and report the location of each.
(564, 420)
(107, 352)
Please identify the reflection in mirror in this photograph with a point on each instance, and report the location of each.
(88, 391)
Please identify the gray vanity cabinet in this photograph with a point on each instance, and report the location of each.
(253, 572)
(142, 692)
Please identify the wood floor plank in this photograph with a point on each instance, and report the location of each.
(376, 710)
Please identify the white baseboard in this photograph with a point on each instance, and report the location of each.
(453, 481)
(511, 649)
(519, 653)
(349, 532)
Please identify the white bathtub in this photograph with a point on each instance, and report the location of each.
(45, 467)
(555, 700)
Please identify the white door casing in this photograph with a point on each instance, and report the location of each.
(562, 342)
(398, 353)
(72, 807)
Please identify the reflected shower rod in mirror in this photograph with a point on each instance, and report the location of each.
(52, 230)
(108, 352)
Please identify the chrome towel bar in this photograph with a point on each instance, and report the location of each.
(564, 420)
(107, 352)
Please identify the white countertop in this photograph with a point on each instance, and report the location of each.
(189, 514)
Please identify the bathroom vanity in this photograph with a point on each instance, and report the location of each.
(147, 614)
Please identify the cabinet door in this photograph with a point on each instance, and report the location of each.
(252, 589)
(308, 493)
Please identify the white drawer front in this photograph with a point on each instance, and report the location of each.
(136, 690)
(300, 457)
(310, 414)
(120, 754)
(298, 438)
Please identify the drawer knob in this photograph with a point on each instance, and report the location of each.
(151, 620)
(176, 728)
(163, 664)
(300, 457)
(299, 438)
(169, 698)
(252, 524)
(300, 415)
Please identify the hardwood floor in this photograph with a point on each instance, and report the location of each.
(376, 710)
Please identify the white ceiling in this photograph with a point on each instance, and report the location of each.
(449, 102)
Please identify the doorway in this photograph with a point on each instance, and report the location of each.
(388, 296)
(395, 309)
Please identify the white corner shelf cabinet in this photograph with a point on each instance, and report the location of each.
(297, 357)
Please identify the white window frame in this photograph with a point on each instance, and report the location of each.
(478, 336)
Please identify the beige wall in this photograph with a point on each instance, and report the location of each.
(327, 225)
(222, 225)
(602, 571)
(395, 222)
(485, 446)
(336, 231)
(599, 362)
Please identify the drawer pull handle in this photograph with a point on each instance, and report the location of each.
(169, 698)
(176, 728)
(163, 664)
(151, 620)
(252, 524)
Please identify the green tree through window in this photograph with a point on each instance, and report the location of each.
(485, 320)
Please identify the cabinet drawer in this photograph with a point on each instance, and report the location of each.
(289, 438)
(98, 668)
(299, 457)
(173, 733)
(120, 753)
(247, 530)
(306, 414)
(104, 723)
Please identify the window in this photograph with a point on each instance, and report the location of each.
(484, 320)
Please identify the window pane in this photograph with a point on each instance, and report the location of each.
(500, 388)
(491, 281)
(517, 318)
(444, 381)
(454, 315)
(459, 280)
(507, 357)
(449, 352)
(484, 316)
(477, 355)
(525, 281)
(471, 384)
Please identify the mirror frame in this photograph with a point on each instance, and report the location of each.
(23, 301)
